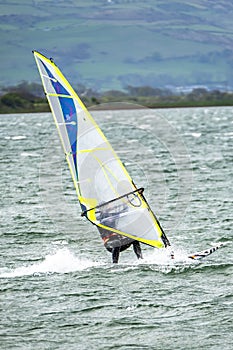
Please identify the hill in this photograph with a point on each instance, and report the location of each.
(109, 44)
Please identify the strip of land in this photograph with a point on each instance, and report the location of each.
(29, 98)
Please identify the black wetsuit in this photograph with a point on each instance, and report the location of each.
(116, 251)
(113, 242)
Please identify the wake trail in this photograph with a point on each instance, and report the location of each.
(62, 261)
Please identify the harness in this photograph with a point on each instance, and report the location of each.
(106, 238)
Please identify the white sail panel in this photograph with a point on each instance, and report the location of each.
(130, 216)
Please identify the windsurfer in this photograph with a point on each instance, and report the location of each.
(114, 242)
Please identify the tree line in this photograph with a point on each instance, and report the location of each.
(29, 97)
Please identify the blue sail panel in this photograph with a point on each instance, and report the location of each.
(58, 87)
(69, 112)
(70, 119)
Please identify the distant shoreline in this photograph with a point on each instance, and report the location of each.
(121, 106)
(95, 108)
(20, 99)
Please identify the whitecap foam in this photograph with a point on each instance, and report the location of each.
(160, 259)
(28, 154)
(163, 257)
(145, 126)
(62, 261)
(196, 134)
(20, 137)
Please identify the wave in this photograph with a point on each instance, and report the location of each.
(160, 261)
(62, 261)
(16, 138)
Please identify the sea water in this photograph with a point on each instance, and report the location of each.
(59, 289)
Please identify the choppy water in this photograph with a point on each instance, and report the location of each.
(59, 289)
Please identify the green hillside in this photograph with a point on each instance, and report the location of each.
(109, 44)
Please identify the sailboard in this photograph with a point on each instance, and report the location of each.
(204, 253)
(102, 182)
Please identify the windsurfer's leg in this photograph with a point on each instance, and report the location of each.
(115, 255)
(137, 249)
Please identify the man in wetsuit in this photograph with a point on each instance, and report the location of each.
(114, 242)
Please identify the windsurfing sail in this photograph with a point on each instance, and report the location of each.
(108, 197)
